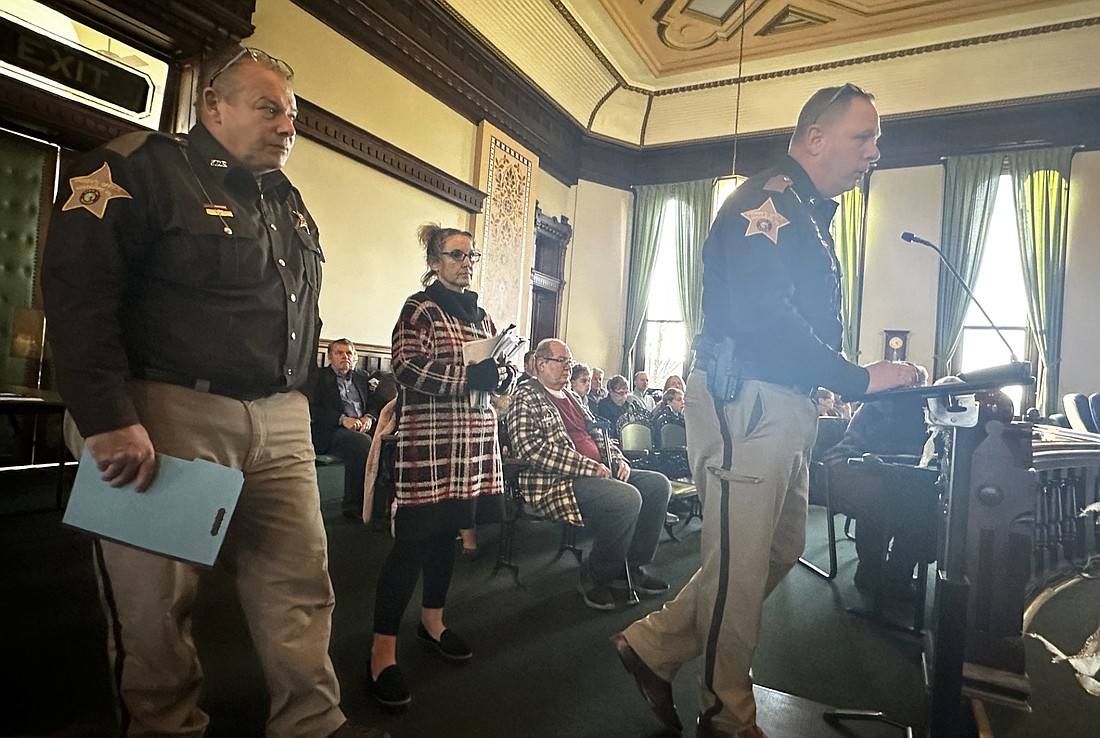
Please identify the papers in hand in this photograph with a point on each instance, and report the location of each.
(503, 347)
(183, 515)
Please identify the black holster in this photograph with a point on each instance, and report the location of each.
(725, 374)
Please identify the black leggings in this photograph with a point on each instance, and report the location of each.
(434, 556)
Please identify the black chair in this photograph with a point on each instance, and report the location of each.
(1094, 408)
(829, 432)
(517, 508)
(1079, 412)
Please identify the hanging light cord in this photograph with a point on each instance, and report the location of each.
(737, 103)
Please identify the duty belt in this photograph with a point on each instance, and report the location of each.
(225, 389)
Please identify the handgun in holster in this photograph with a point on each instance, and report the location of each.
(724, 370)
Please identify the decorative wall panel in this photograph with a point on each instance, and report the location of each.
(504, 231)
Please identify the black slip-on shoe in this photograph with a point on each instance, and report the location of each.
(449, 645)
(390, 689)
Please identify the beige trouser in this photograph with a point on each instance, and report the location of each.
(275, 549)
(752, 476)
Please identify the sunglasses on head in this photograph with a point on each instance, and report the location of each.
(259, 55)
(847, 89)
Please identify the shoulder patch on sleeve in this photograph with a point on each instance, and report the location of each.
(131, 142)
(765, 220)
(778, 183)
(94, 191)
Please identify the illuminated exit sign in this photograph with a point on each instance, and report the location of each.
(85, 73)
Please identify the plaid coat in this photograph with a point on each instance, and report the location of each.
(537, 434)
(446, 450)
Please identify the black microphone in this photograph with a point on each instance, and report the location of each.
(908, 236)
(1016, 372)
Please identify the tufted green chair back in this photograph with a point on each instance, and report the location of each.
(25, 191)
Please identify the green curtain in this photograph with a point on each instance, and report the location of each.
(970, 188)
(696, 208)
(1040, 180)
(649, 206)
(850, 246)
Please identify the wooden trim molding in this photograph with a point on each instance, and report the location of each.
(65, 122)
(548, 225)
(545, 281)
(170, 30)
(331, 131)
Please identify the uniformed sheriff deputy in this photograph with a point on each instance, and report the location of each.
(771, 335)
(180, 282)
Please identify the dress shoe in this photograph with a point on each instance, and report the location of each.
(646, 584)
(707, 729)
(348, 730)
(449, 645)
(390, 689)
(656, 691)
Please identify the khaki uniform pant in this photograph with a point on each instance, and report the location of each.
(750, 461)
(275, 549)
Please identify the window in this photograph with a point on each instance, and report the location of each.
(665, 336)
(1000, 289)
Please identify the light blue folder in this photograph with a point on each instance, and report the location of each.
(183, 515)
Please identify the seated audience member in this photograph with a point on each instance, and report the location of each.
(528, 368)
(674, 380)
(618, 401)
(888, 427)
(580, 381)
(598, 391)
(641, 392)
(671, 408)
(339, 421)
(568, 481)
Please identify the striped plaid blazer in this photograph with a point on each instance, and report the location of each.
(446, 449)
(537, 434)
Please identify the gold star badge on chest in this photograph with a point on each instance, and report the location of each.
(93, 191)
(765, 220)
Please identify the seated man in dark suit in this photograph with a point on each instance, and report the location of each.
(340, 422)
(891, 428)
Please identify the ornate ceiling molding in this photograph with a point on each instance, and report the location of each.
(321, 126)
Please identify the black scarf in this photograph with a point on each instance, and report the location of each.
(461, 305)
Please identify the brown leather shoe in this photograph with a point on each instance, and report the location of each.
(707, 729)
(657, 692)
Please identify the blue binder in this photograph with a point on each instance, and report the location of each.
(183, 515)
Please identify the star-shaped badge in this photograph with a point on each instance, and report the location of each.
(93, 191)
(766, 220)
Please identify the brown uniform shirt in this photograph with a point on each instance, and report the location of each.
(166, 260)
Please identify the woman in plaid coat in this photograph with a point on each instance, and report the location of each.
(447, 452)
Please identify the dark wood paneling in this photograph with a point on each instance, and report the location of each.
(64, 122)
(170, 30)
(317, 124)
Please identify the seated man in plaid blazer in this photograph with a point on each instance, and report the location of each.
(568, 480)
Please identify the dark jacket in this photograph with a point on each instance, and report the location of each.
(771, 282)
(166, 261)
(326, 407)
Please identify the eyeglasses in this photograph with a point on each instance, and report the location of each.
(560, 360)
(846, 89)
(458, 255)
(260, 56)
(618, 392)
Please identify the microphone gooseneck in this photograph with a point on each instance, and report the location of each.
(911, 238)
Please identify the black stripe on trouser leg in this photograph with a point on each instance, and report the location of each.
(723, 563)
(114, 632)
